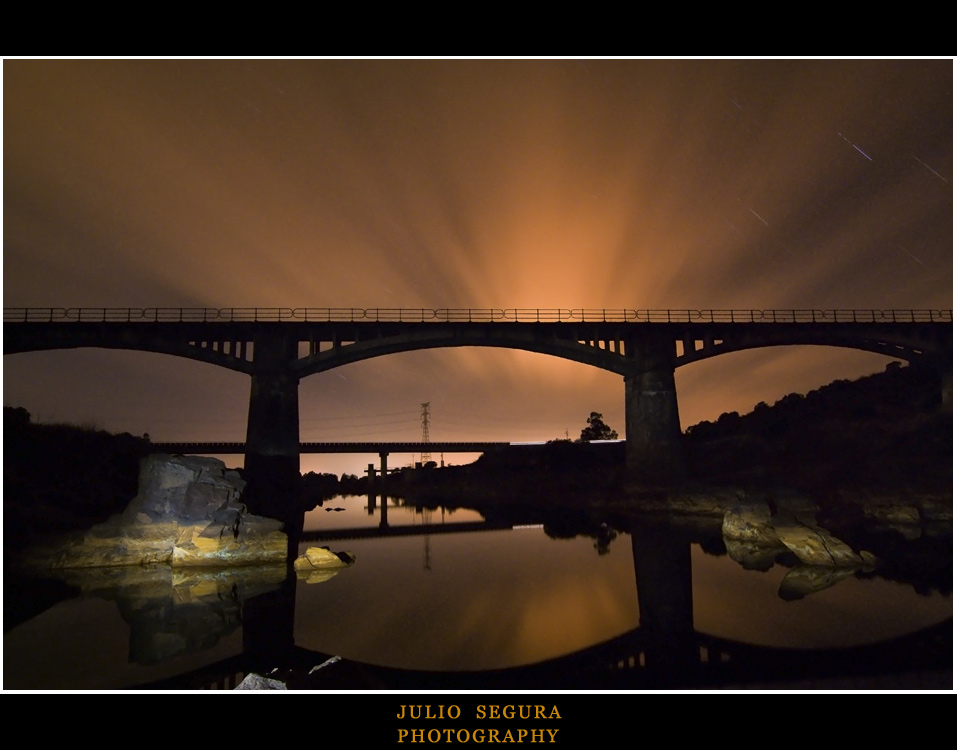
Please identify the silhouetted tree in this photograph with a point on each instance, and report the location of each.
(15, 417)
(603, 539)
(597, 429)
(314, 488)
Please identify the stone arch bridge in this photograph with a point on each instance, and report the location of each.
(277, 347)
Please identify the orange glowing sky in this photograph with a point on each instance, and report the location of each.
(464, 183)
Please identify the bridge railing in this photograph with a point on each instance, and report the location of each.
(458, 315)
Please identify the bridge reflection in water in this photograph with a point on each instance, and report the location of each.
(664, 652)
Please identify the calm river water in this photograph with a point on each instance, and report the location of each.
(449, 598)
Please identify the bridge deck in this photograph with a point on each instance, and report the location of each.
(458, 315)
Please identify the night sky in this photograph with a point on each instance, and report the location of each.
(703, 184)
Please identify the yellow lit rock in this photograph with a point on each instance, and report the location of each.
(319, 564)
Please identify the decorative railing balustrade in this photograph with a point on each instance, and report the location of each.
(457, 315)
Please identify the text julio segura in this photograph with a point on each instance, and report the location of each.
(483, 712)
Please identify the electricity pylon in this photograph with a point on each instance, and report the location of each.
(426, 453)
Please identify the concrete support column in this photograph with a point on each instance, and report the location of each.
(653, 447)
(273, 425)
(272, 438)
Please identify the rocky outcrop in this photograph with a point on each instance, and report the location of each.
(911, 516)
(749, 536)
(187, 512)
(253, 681)
(319, 564)
(762, 530)
(813, 545)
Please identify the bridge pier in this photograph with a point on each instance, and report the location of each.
(653, 449)
(947, 388)
(272, 439)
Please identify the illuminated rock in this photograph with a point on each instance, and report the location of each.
(754, 535)
(319, 564)
(187, 513)
(749, 537)
(254, 681)
(750, 523)
(813, 545)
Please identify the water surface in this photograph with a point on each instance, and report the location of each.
(470, 600)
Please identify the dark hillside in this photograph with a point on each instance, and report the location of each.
(59, 478)
(887, 431)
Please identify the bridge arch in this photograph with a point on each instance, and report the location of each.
(605, 355)
(478, 383)
(233, 355)
(126, 390)
(897, 344)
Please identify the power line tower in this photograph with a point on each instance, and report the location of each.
(426, 454)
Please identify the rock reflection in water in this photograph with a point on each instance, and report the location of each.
(172, 612)
(808, 579)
